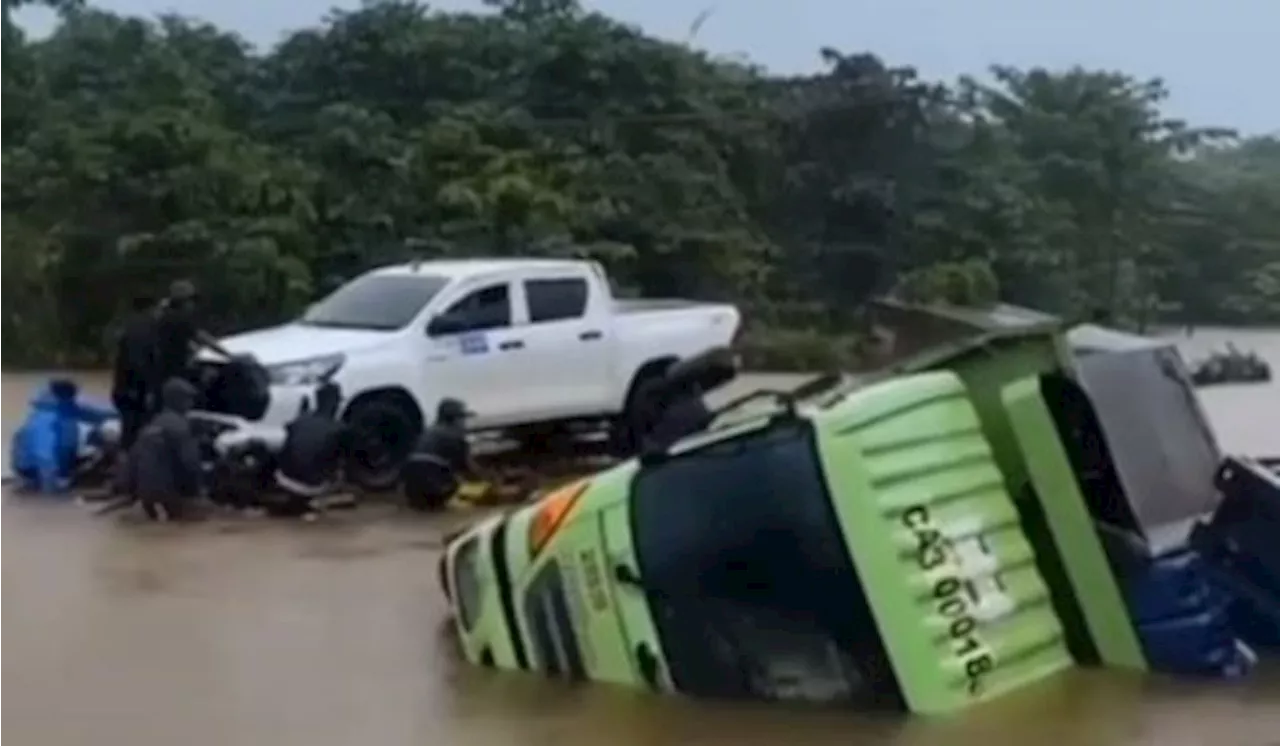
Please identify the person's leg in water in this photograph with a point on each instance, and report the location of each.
(160, 511)
(309, 465)
(28, 479)
(134, 413)
(292, 499)
(153, 510)
(165, 464)
(242, 475)
(134, 380)
(429, 482)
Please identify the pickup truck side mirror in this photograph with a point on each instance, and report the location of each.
(446, 324)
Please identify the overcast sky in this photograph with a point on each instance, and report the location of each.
(1220, 58)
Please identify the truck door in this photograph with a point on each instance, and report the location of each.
(477, 365)
(567, 347)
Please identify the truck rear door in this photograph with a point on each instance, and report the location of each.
(567, 362)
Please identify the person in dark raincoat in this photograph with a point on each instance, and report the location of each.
(316, 443)
(45, 449)
(134, 387)
(178, 335)
(440, 459)
(164, 470)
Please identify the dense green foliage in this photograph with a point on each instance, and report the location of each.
(136, 151)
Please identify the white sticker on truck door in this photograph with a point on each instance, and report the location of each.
(474, 343)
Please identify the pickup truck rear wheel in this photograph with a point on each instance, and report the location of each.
(384, 438)
(637, 416)
(706, 371)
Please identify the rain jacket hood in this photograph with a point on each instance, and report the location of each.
(177, 395)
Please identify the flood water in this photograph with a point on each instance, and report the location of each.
(331, 634)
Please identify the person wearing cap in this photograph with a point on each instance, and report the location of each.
(441, 458)
(178, 336)
(45, 450)
(316, 442)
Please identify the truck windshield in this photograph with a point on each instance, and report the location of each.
(745, 567)
(378, 302)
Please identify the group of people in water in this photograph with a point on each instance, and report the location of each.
(163, 469)
(151, 361)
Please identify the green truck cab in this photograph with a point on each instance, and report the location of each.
(921, 541)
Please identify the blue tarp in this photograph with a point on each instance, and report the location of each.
(43, 451)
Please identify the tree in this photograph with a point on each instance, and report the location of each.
(139, 150)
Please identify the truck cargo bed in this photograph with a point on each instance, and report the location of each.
(647, 305)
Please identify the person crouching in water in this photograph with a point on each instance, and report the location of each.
(44, 452)
(442, 457)
(163, 470)
(316, 443)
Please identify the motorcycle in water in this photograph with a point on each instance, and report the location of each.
(236, 450)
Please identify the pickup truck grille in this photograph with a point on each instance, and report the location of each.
(240, 389)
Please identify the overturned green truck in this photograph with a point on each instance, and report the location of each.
(963, 526)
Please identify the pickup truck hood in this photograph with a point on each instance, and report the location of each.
(295, 342)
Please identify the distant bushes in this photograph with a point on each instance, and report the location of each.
(808, 350)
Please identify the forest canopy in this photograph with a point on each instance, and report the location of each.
(138, 150)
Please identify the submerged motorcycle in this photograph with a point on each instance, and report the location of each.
(238, 452)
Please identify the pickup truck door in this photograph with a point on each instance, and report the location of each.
(568, 354)
(478, 365)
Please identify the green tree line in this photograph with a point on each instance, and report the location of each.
(139, 150)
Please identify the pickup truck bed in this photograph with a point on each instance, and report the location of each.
(646, 305)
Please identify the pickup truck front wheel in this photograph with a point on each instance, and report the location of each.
(384, 437)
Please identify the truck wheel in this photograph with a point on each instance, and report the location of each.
(384, 437)
(637, 416)
(706, 371)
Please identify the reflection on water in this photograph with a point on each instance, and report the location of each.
(332, 634)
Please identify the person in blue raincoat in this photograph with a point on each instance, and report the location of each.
(44, 450)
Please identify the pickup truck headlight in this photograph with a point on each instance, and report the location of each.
(306, 372)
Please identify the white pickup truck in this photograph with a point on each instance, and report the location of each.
(522, 341)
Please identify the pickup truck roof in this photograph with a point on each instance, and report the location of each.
(457, 268)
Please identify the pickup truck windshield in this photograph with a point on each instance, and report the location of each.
(378, 302)
(746, 569)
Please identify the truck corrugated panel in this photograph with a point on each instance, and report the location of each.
(938, 544)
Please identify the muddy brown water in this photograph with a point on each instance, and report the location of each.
(333, 634)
